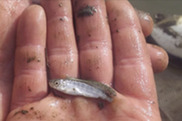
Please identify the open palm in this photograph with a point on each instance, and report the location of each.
(91, 57)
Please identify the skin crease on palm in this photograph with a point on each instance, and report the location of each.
(127, 56)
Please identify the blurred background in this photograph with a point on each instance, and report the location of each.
(169, 82)
(159, 6)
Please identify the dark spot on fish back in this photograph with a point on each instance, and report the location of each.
(170, 32)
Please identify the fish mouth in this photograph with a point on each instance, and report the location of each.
(51, 83)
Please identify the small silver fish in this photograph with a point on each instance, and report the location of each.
(86, 88)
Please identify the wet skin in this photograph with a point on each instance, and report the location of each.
(91, 58)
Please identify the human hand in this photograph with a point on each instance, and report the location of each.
(30, 72)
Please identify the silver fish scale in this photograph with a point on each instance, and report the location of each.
(71, 87)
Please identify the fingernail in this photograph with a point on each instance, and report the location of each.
(143, 15)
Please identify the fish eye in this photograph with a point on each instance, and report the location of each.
(56, 83)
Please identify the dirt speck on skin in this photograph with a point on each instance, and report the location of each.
(139, 31)
(30, 113)
(30, 59)
(29, 89)
(87, 11)
(60, 5)
(37, 113)
(100, 105)
(31, 108)
(61, 19)
(151, 102)
(97, 67)
(33, 58)
(54, 115)
(21, 112)
(38, 60)
(24, 112)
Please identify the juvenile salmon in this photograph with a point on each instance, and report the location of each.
(86, 88)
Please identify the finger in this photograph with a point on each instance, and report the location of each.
(159, 58)
(146, 22)
(30, 74)
(133, 73)
(94, 41)
(61, 44)
(8, 20)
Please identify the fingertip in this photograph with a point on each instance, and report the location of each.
(33, 15)
(159, 58)
(146, 22)
(35, 10)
